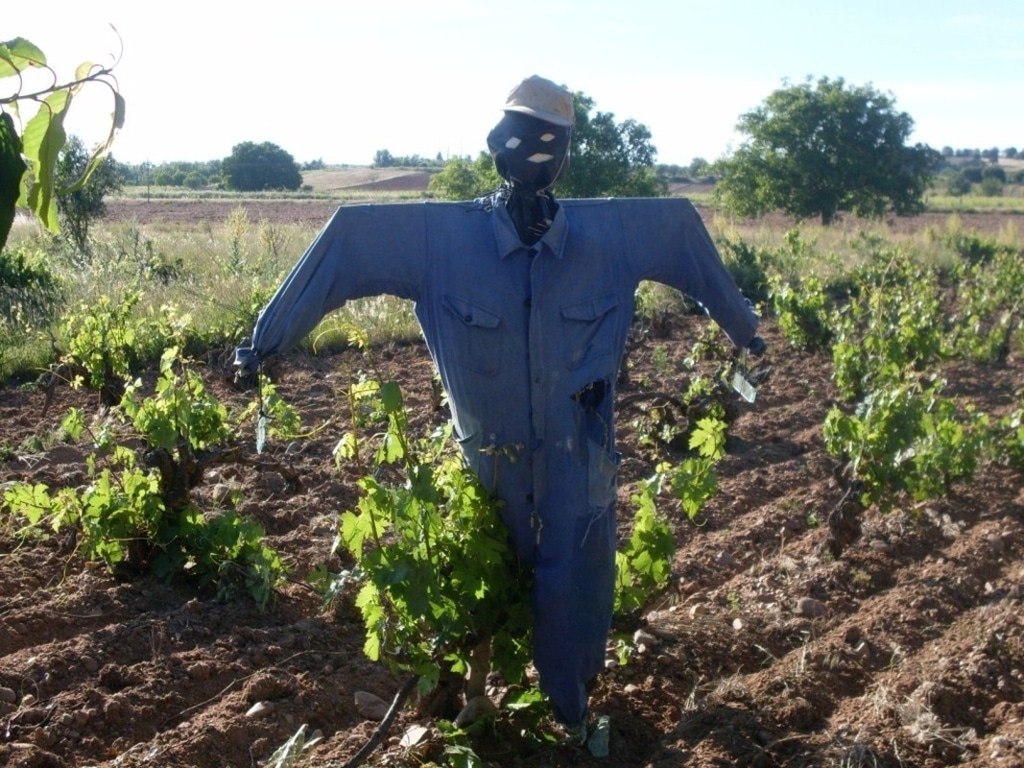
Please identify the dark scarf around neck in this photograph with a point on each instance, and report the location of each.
(531, 212)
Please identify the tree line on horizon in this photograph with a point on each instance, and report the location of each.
(971, 165)
(817, 149)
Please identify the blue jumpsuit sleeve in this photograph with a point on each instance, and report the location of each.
(667, 242)
(361, 251)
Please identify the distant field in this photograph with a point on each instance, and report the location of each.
(367, 179)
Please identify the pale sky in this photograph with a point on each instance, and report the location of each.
(340, 80)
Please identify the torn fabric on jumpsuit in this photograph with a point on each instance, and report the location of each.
(528, 342)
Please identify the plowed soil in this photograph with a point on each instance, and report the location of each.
(769, 648)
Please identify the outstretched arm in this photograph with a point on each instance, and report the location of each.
(361, 251)
(669, 243)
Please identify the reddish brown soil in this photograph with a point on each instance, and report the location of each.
(904, 651)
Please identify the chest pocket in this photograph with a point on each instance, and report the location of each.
(475, 335)
(589, 328)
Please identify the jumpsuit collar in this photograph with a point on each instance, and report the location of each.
(508, 241)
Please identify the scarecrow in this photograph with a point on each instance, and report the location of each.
(525, 302)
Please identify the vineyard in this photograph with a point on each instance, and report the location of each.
(205, 572)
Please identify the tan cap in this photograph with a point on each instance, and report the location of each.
(542, 99)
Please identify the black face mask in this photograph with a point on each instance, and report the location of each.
(529, 153)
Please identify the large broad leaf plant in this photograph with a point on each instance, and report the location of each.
(28, 157)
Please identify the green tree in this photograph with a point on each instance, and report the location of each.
(819, 149)
(991, 186)
(996, 172)
(194, 180)
(958, 185)
(175, 173)
(461, 179)
(609, 158)
(28, 159)
(78, 208)
(972, 173)
(254, 167)
(699, 167)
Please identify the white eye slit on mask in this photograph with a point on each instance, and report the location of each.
(547, 137)
(513, 142)
(539, 157)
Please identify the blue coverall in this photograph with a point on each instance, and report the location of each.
(528, 342)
